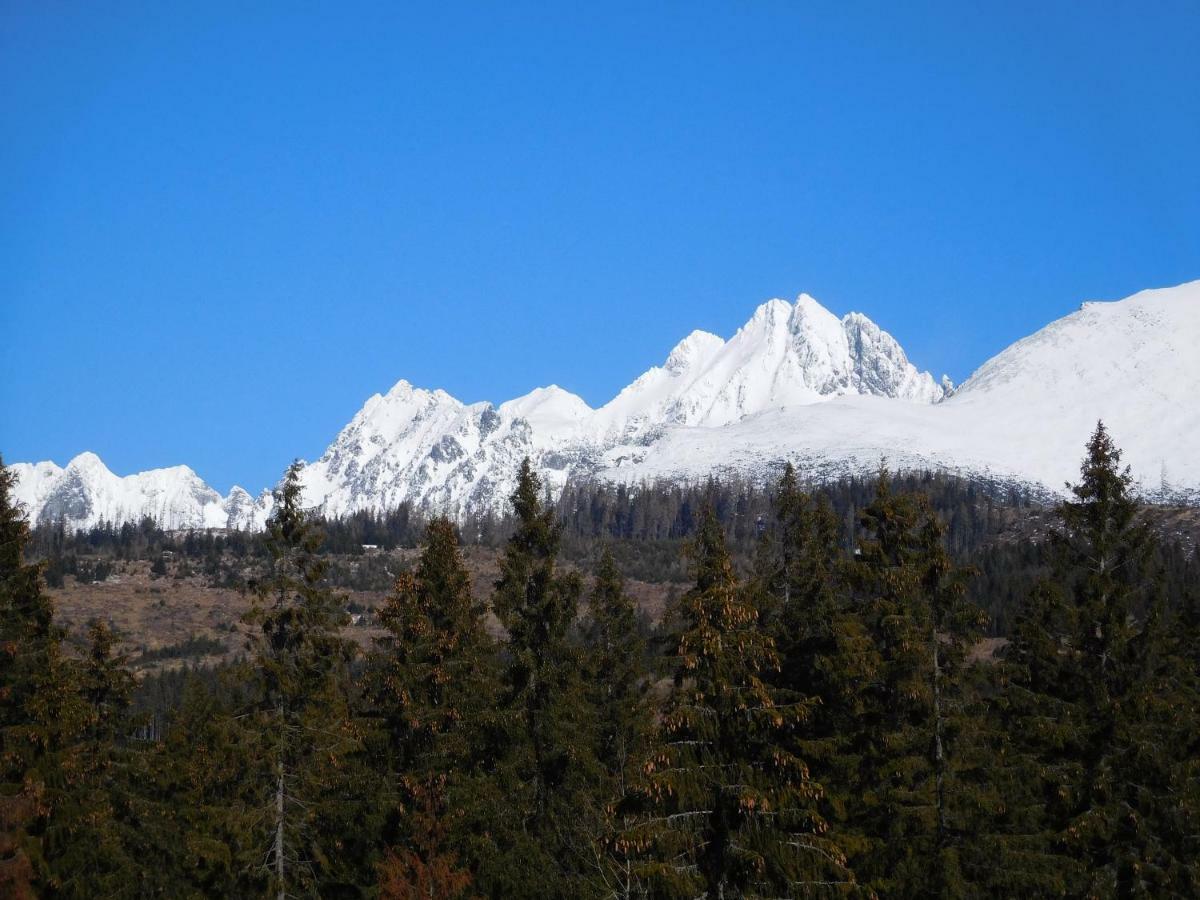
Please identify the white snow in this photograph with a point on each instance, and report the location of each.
(1024, 415)
(86, 493)
(795, 382)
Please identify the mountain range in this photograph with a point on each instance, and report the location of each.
(834, 395)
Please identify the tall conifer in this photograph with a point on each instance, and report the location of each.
(432, 689)
(547, 760)
(825, 649)
(40, 709)
(736, 807)
(308, 737)
(1092, 706)
(618, 690)
(913, 802)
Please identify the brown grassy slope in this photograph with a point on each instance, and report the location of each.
(150, 614)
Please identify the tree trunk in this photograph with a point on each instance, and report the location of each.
(939, 757)
(280, 871)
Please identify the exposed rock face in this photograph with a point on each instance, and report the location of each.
(795, 382)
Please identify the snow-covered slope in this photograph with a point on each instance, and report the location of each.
(1024, 415)
(795, 382)
(786, 355)
(86, 493)
(427, 448)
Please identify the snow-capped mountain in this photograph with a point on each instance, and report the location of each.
(1023, 416)
(430, 449)
(786, 355)
(86, 493)
(834, 395)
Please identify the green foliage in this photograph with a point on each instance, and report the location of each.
(736, 811)
(35, 705)
(832, 724)
(432, 691)
(617, 686)
(308, 765)
(1095, 706)
(194, 810)
(826, 651)
(915, 804)
(547, 769)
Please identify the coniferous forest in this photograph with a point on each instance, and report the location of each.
(854, 695)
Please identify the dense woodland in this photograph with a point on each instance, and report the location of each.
(817, 714)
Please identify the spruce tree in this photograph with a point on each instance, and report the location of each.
(40, 709)
(62, 721)
(616, 673)
(825, 649)
(547, 768)
(1182, 702)
(916, 808)
(735, 808)
(618, 691)
(309, 739)
(85, 837)
(1093, 706)
(425, 868)
(432, 692)
(196, 814)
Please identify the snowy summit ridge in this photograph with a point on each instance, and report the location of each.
(796, 382)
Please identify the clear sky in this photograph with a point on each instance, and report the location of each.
(222, 230)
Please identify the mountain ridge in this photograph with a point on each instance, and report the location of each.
(796, 382)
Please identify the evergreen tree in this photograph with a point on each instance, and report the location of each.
(916, 806)
(547, 766)
(85, 837)
(825, 649)
(40, 709)
(195, 819)
(617, 687)
(425, 869)
(309, 740)
(432, 690)
(1181, 700)
(1092, 705)
(616, 673)
(737, 809)
(62, 719)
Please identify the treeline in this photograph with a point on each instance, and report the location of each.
(999, 531)
(821, 721)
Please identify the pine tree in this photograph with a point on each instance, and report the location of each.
(1091, 706)
(547, 765)
(40, 710)
(737, 810)
(617, 687)
(432, 691)
(85, 837)
(195, 810)
(914, 802)
(825, 649)
(309, 739)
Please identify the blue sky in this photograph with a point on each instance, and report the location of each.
(221, 230)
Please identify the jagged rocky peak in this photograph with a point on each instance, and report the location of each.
(785, 355)
(881, 367)
(547, 406)
(86, 492)
(88, 462)
(693, 350)
(794, 382)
